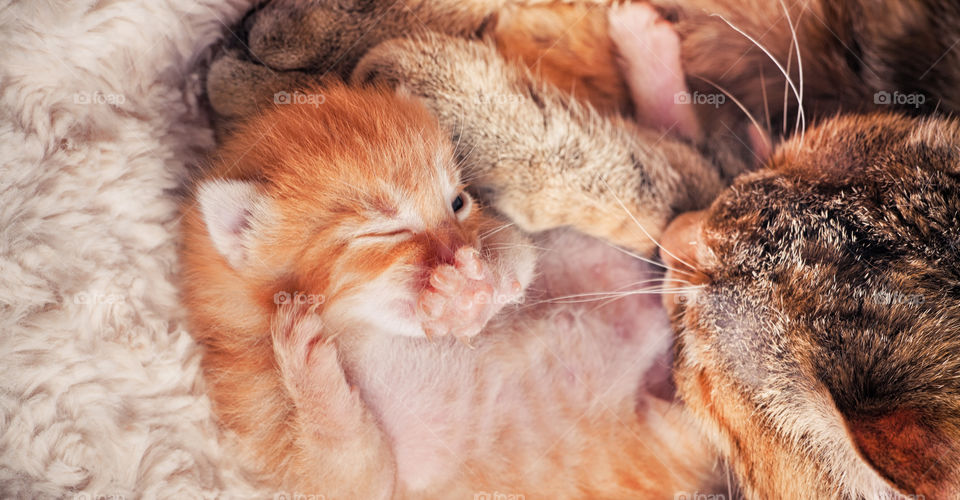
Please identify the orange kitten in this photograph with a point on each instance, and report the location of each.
(332, 261)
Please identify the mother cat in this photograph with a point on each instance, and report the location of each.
(823, 351)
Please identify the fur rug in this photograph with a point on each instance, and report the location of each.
(100, 390)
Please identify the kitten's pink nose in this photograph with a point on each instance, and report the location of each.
(681, 245)
(445, 245)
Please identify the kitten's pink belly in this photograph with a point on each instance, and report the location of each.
(533, 374)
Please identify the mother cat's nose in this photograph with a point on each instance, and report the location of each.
(682, 247)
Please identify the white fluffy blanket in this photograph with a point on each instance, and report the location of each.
(100, 390)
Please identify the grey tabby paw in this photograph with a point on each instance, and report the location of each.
(238, 87)
(318, 36)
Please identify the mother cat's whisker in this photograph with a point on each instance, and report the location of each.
(614, 296)
(786, 74)
(517, 245)
(639, 225)
(763, 93)
(801, 118)
(642, 258)
(742, 108)
(595, 296)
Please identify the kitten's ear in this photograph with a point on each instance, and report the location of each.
(231, 209)
(918, 457)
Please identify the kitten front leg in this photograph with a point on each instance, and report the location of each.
(338, 443)
(541, 158)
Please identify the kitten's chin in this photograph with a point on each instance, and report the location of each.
(379, 306)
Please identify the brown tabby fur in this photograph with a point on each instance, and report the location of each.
(825, 345)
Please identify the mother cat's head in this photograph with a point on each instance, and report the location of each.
(823, 350)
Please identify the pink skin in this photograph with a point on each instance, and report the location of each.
(650, 59)
(462, 297)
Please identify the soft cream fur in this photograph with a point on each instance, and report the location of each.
(99, 123)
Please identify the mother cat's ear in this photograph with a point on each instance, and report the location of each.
(232, 211)
(911, 450)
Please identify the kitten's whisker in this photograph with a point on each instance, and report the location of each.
(464, 157)
(645, 232)
(456, 147)
(495, 230)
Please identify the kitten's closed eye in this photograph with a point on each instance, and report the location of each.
(400, 233)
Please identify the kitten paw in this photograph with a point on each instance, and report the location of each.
(462, 297)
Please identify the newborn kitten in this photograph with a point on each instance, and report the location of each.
(822, 349)
(370, 332)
